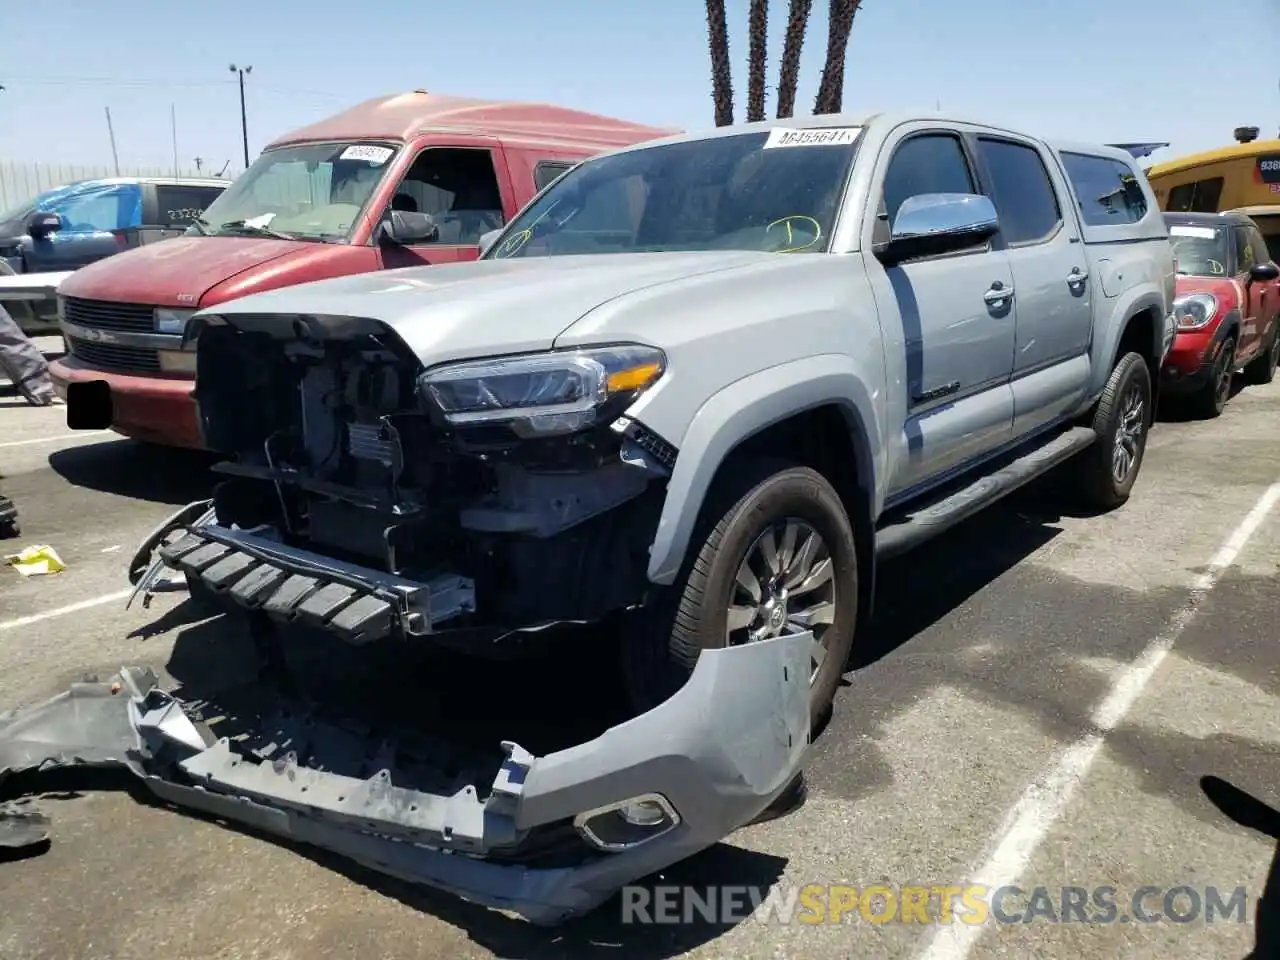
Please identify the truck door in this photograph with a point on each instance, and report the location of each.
(94, 226)
(1051, 282)
(462, 188)
(956, 330)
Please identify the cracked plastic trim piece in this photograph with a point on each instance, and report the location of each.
(719, 752)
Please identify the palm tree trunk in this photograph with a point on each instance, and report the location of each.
(830, 97)
(789, 71)
(721, 75)
(757, 57)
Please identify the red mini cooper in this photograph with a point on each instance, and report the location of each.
(1227, 307)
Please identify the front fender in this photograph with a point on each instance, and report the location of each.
(743, 409)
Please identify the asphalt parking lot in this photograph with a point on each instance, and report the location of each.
(1045, 701)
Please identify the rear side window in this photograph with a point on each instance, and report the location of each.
(179, 205)
(1108, 190)
(99, 209)
(1021, 190)
(1202, 196)
(548, 172)
(928, 163)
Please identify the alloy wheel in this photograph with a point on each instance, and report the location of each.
(784, 585)
(1133, 420)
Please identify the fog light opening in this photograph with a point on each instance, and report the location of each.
(625, 825)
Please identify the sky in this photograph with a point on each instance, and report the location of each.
(1094, 70)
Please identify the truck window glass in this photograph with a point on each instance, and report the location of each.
(723, 193)
(459, 188)
(1021, 190)
(1108, 190)
(313, 191)
(547, 172)
(929, 163)
(178, 205)
(1202, 196)
(99, 209)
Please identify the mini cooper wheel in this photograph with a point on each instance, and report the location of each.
(775, 555)
(1213, 396)
(1109, 467)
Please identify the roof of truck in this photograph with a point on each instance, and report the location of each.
(1236, 151)
(403, 116)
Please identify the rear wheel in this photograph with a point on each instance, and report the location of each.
(1262, 368)
(1109, 467)
(774, 555)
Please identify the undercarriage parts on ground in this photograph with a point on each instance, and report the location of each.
(546, 837)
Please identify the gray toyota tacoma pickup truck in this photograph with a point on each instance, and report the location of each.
(692, 392)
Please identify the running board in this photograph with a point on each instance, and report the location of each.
(932, 517)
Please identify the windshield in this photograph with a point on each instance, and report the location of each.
(310, 192)
(44, 201)
(1200, 251)
(776, 192)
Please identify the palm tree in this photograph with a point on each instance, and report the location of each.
(757, 56)
(721, 75)
(830, 97)
(789, 71)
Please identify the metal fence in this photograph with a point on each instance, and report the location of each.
(21, 180)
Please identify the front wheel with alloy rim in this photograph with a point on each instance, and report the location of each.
(1109, 467)
(774, 554)
(1262, 368)
(1213, 396)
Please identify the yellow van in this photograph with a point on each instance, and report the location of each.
(1244, 178)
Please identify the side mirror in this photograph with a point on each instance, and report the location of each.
(1264, 272)
(934, 223)
(42, 223)
(406, 227)
(487, 240)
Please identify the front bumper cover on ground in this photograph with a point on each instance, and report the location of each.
(719, 752)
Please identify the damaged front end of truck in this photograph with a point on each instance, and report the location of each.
(379, 500)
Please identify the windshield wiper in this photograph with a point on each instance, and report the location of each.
(201, 225)
(242, 226)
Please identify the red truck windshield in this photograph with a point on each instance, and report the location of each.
(311, 192)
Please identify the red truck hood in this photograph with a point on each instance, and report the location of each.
(177, 272)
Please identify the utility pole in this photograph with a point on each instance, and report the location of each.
(199, 162)
(111, 132)
(244, 123)
(173, 133)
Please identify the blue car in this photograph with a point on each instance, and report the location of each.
(74, 225)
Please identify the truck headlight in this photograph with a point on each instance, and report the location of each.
(172, 321)
(544, 394)
(1195, 310)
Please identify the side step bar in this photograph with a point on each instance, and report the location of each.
(288, 584)
(933, 517)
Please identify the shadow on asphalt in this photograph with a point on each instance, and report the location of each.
(139, 471)
(1250, 812)
(1176, 409)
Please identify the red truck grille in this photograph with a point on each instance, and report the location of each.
(107, 315)
(111, 356)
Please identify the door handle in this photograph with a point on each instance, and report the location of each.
(998, 293)
(1077, 276)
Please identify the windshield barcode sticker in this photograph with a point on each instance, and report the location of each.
(817, 137)
(1203, 233)
(364, 151)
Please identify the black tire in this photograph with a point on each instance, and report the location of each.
(1262, 368)
(1211, 399)
(1098, 483)
(662, 642)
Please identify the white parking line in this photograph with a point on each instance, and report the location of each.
(63, 611)
(79, 435)
(1045, 799)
